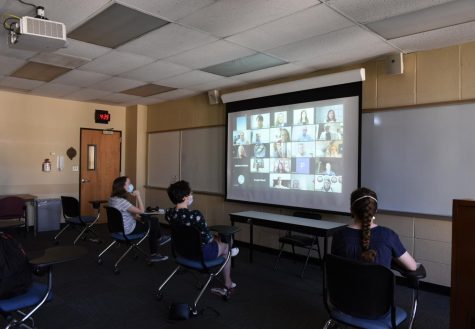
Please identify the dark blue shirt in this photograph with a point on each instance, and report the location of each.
(386, 243)
(194, 218)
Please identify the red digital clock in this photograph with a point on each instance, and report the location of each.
(102, 116)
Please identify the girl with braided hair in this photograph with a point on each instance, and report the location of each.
(366, 241)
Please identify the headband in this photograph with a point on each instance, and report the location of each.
(364, 197)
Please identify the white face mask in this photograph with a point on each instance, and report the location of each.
(190, 200)
(130, 188)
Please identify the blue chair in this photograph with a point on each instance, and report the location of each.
(115, 225)
(361, 294)
(73, 218)
(13, 309)
(186, 250)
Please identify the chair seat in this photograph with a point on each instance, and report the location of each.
(131, 237)
(30, 298)
(196, 264)
(380, 323)
(77, 221)
(298, 240)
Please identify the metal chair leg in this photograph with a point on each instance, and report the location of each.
(61, 232)
(278, 256)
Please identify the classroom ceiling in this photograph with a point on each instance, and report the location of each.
(149, 51)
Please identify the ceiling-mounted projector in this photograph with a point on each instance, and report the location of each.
(37, 34)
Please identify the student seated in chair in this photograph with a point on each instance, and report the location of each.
(133, 223)
(366, 241)
(180, 194)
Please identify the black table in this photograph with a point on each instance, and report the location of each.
(320, 228)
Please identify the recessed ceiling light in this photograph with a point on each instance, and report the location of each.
(147, 90)
(244, 65)
(39, 71)
(116, 25)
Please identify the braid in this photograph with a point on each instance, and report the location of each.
(364, 205)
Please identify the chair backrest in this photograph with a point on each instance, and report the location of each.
(306, 214)
(186, 242)
(359, 289)
(115, 223)
(12, 207)
(70, 207)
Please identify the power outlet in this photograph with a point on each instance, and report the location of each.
(75, 168)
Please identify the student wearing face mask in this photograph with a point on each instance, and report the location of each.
(180, 194)
(122, 190)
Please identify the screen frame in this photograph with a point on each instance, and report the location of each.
(316, 94)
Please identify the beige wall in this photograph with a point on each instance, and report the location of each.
(33, 127)
(438, 76)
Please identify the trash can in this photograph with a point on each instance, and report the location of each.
(48, 214)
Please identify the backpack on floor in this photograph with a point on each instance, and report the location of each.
(15, 270)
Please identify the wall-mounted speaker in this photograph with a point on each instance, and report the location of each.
(213, 97)
(395, 64)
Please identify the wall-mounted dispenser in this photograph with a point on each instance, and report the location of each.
(46, 166)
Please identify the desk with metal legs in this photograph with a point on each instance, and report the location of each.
(320, 228)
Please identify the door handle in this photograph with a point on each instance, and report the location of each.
(85, 180)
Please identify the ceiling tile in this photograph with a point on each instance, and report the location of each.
(217, 84)
(81, 78)
(189, 79)
(116, 84)
(365, 11)
(156, 71)
(274, 72)
(147, 90)
(87, 94)
(227, 17)
(61, 60)
(54, 90)
(144, 101)
(18, 83)
(9, 64)
(167, 41)
(346, 40)
(176, 94)
(115, 26)
(433, 18)
(214, 53)
(313, 21)
(39, 71)
(83, 49)
(116, 62)
(448, 36)
(171, 9)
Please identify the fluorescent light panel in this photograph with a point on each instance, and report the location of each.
(244, 65)
(147, 90)
(39, 71)
(297, 85)
(116, 25)
(436, 17)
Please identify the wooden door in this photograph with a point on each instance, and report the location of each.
(100, 165)
(462, 299)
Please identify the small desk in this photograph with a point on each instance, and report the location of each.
(29, 198)
(320, 228)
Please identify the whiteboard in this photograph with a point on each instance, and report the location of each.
(202, 158)
(417, 160)
(163, 166)
(194, 155)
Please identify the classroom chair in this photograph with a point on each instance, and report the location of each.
(361, 294)
(19, 310)
(115, 224)
(298, 240)
(73, 218)
(186, 250)
(13, 212)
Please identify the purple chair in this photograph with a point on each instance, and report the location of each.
(13, 212)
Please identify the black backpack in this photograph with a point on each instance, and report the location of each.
(15, 270)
